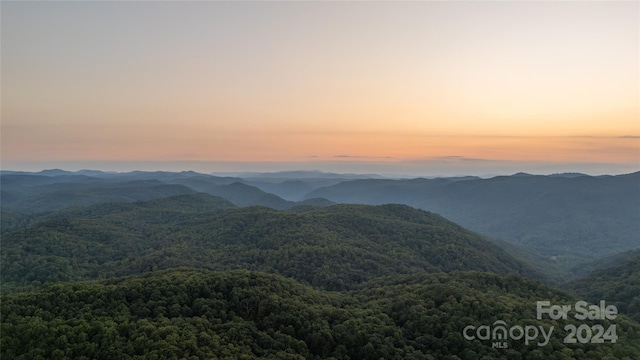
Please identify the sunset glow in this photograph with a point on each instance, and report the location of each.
(406, 84)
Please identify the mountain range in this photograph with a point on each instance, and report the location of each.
(567, 219)
(186, 265)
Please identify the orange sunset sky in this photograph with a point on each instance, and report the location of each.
(424, 88)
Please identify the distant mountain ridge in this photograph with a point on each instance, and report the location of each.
(37, 192)
(562, 217)
(41, 194)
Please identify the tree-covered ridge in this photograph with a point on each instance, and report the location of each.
(195, 314)
(614, 260)
(34, 198)
(619, 285)
(572, 219)
(37, 193)
(334, 247)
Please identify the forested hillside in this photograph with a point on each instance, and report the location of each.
(619, 284)
(189, 314)
(568, 218)
(332, 247)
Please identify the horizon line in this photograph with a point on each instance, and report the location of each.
(435, 167)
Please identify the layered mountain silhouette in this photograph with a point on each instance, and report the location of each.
(561, 217)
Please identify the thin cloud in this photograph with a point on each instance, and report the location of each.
(456, 158)
(342, 156)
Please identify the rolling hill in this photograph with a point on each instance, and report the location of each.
(618, 284)
(332, 247)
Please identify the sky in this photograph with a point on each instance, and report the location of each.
(420, 87)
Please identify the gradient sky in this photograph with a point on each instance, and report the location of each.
(408, 87)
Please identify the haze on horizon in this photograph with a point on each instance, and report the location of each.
(419, 88)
